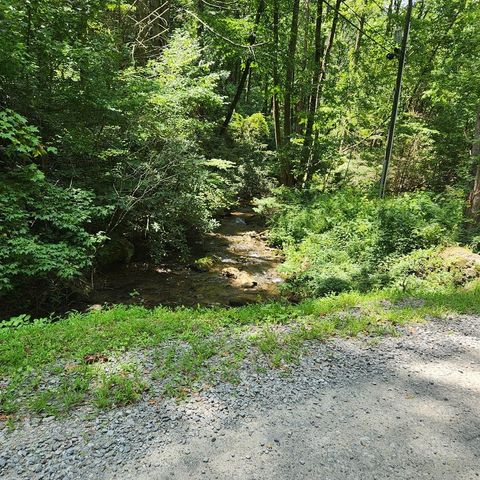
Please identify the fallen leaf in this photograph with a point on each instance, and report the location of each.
(70, 366)
(95, 358)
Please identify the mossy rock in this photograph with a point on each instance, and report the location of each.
(462, 263)
(204, 264)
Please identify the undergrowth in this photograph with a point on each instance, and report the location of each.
(350, 240)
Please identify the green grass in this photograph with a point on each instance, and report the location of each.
(118, 389)
(43, 367)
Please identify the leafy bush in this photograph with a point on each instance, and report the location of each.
(162, 187)
(248, 150)
(295, 215)
(340, 241)
(130, 159)
(418, 220)
(42, 229)
(432, 269)
(43, 226)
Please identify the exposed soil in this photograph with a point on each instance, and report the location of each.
(235, 267)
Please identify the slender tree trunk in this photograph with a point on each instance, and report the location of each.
(290, 73)
(398, 4)
(276, 80)
(28, 35)
(153, 23)
(249, 83)
(306, 33)
(245, 73)
(439, 43)
(267, 102)
(200, 27)
(358, 40)
(421, 9)
(321, 79)
(475, 152)
(326, 56)
(286, 167)
(304, 99)
(389, 18)
(312, 107)
(238, 95)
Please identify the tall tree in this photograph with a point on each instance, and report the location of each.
(246, 69)
(312, 107)
(286, 174)
(319, 87)
(276, 77)
(475, 153)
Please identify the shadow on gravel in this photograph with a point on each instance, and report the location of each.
(370, 413)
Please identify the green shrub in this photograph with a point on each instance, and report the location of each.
(44, 237)
(417, 220)
(155, 171)
(431, 269)
(295, 215)
(344, 240)
(248, 149)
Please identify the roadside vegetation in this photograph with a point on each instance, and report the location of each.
(120, 355)
(351, 240)
(121, 141)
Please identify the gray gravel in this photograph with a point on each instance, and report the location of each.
(406, 408)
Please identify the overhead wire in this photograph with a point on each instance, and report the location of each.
(383, 46)
(383, 8)
(346, 19)
(359, 16)
(250, 47)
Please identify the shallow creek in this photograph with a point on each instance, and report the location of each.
(236, 267)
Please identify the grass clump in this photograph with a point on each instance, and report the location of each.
(118, 389)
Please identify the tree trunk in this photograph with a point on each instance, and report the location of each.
(286, 174)
(312, 108)
(358, 40)
(249, 84)
(398, 4)
(152, 26)
(276, 80)
(245, 73)
(321, 79)
(389, 19)
(326, 56)
(200, 27)
(236, 98)
(290, 73)
(475, 153)
(306, 34)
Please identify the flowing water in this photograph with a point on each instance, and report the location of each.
(236, 267)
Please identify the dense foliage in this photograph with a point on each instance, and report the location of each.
(43, 234)
(347, 240)
(127, 126)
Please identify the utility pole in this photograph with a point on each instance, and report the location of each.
(396, 98)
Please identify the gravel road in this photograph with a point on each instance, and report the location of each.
(405, 408)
